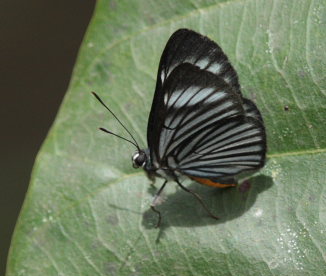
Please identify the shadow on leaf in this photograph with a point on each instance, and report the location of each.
(182, 209)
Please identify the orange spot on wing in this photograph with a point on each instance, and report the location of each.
(211, 183)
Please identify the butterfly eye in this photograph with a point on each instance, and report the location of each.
(139, 159)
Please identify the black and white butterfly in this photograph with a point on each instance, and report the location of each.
(200, 125)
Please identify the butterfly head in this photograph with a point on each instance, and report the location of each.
(139, 159)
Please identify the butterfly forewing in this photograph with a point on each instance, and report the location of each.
(194, 99)
(187, 46)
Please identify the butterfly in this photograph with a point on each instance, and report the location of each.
(200, 125)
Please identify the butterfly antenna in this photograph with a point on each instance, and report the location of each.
(107, 131)
(116, 135)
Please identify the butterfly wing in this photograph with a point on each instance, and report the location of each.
(199, 124)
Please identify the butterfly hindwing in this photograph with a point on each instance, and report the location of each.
(228, 148)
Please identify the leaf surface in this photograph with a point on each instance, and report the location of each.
(87, 210)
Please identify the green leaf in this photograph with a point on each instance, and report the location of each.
(87, 210)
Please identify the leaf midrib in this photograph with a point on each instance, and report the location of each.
(57, 214)
(272, 155)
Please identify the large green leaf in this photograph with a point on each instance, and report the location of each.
(87, 209)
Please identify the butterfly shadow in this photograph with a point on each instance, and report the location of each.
(181, 209)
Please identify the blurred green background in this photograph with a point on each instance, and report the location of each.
(39, 42)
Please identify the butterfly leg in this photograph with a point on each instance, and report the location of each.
(153, 204)
(198, 198)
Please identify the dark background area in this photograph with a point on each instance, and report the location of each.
(39, 42)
